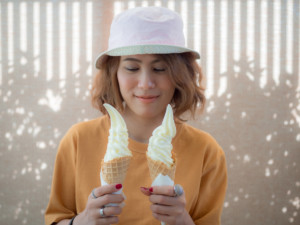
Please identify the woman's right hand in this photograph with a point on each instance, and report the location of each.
(91, 214)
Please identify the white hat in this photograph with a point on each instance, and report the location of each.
(145, 30)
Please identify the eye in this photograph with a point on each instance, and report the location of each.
(132, 69)
(159, 69)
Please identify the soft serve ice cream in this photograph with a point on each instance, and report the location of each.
(160, 146)
(118, 136)
(161, 160)
(117, 157)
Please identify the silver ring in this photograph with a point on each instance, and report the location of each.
(93, 194)
(102, 212)
(178, 190)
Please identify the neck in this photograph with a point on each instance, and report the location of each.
(140, 129)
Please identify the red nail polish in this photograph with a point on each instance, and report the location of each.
(144, 188)
(119, 186)
(151, 189)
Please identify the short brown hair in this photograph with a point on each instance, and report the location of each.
(184, 72)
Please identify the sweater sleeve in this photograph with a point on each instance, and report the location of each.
(212, 189)
(62, 197)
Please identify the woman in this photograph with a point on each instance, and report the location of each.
(146, 68)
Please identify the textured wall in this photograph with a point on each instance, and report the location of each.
(250, 56)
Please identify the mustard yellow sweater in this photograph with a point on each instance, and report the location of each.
(201, 170)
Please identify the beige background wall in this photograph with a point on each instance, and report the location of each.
(250, 55)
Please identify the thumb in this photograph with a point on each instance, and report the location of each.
(145, 191)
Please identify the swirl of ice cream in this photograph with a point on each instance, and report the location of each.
(160, 147)
(117, 145)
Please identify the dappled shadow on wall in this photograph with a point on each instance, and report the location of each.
(259, 130)
(253, 107)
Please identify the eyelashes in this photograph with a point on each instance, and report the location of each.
(159, 69)
(154, 69)
(132, 69)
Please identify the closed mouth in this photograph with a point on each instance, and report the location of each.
(147, 98)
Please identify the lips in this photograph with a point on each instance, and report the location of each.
(147, 98)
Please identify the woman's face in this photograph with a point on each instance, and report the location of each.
(145, 85)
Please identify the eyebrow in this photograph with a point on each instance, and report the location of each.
(139, 61)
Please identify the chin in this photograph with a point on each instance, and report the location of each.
(151, 112)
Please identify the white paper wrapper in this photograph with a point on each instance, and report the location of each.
(162, 180)
(117, 192)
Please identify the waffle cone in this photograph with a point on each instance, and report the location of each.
(114, 171)
(156, 167)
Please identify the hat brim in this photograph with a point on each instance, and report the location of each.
(143, 49)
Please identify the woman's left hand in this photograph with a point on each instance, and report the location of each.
(166, 206)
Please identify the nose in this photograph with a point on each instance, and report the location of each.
(146, 81)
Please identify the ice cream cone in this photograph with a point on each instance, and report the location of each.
(114, 171)
(156, 167)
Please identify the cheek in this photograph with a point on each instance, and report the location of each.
(169, 88)
(167, 84)
(125, 83)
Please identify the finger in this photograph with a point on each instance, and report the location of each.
(112, 211)
(163, 210)
(108, 220)
(108, 198)
(167, 210)
(179, 201)
(104, 200)
(163, 200)
(162, 218)
(162, 190)
(106, 189)
(145, 191)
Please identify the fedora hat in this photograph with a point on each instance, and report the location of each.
(145, 30)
